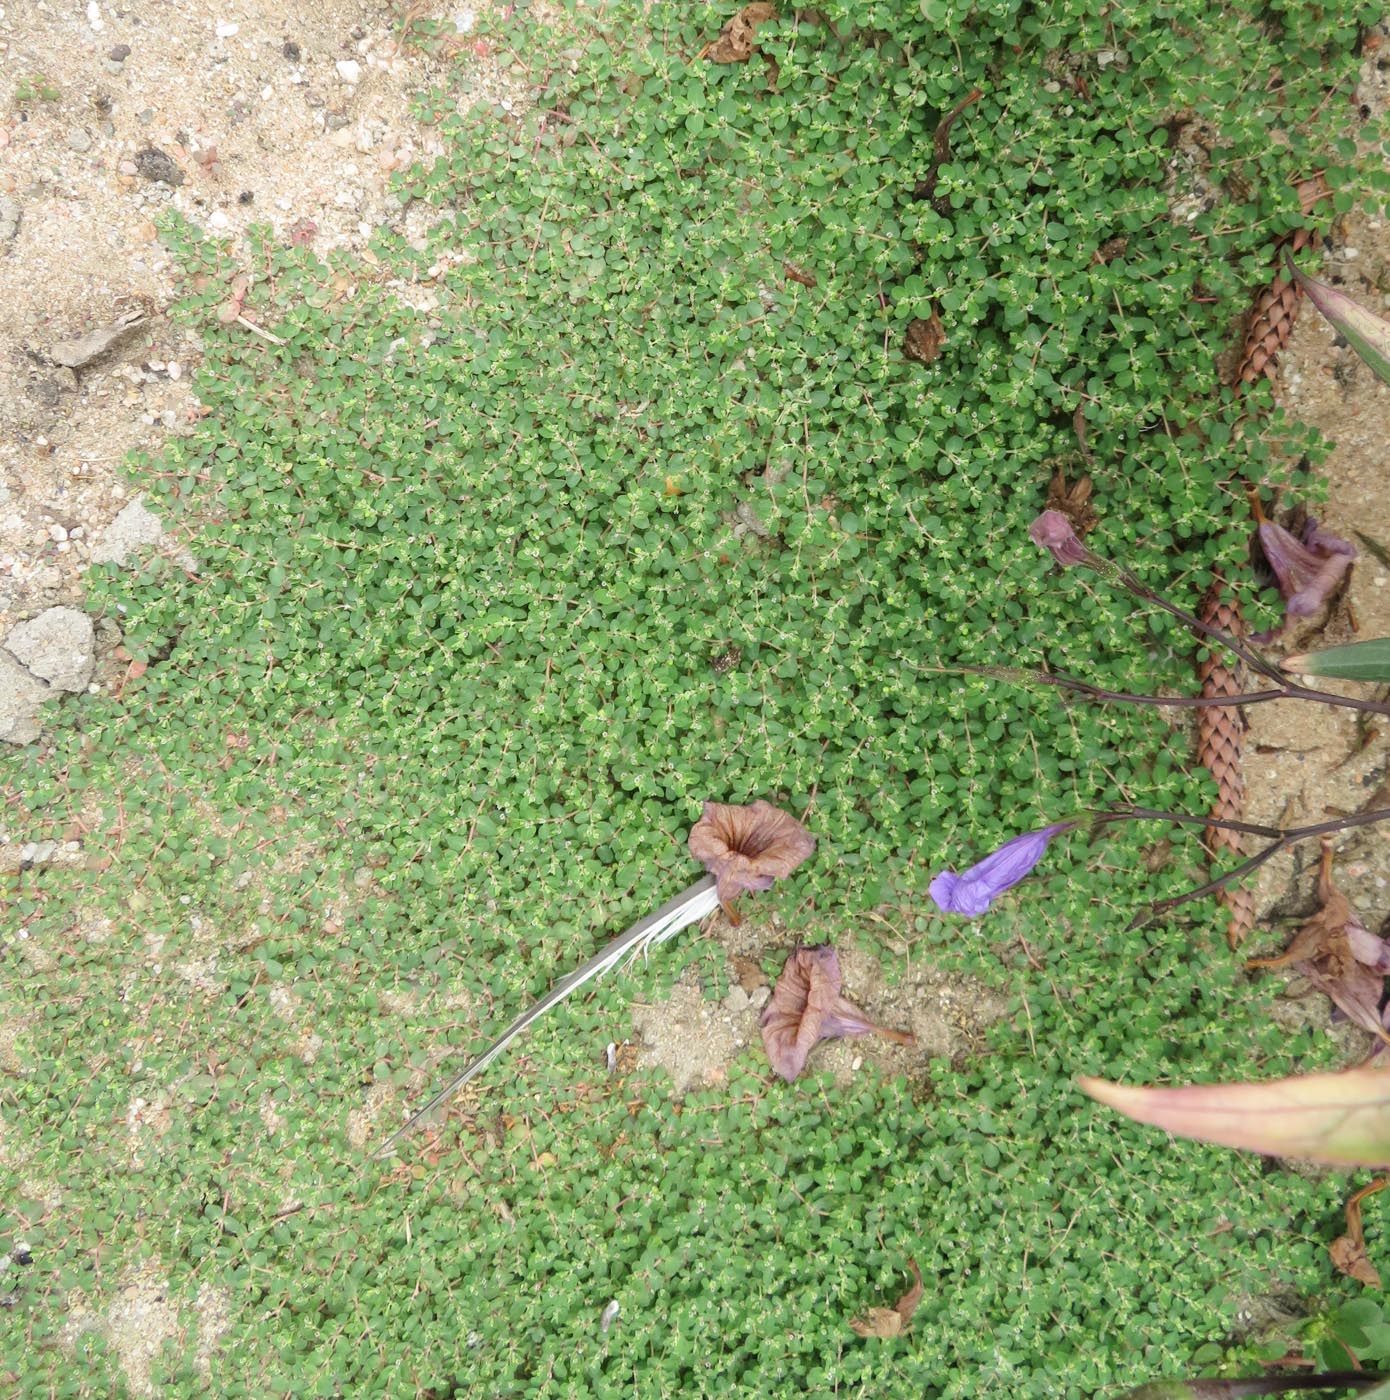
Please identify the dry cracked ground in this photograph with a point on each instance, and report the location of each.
(295, 114)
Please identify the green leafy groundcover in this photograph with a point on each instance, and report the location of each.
(491, 594)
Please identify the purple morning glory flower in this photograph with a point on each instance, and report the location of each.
(972, 892)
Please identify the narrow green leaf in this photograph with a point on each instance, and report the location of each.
(1342, 1119)
(1357, 661)
(1368, 334)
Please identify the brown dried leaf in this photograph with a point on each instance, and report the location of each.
(1350, 1258)
(736, 40)
(894, 1321)
(924, 339)
(1338, 955)
(747, 848)
(1073, 501)
(941, 153)
(1349, 1250)
(749, 973)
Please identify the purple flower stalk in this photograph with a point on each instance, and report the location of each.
(972, 892)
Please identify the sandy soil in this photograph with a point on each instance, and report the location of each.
(1309, 763)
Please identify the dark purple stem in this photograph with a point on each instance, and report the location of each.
(1291, 690)
(1281, 1385)
(1279, 840)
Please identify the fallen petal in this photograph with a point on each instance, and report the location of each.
(1341, 1119)
(1367, 333)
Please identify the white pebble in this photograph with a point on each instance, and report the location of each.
(175, 369)
(217, 219)
(94, 15)
(57, 534)
(267, 92)
(225, 30)
(464, 21)
(349, 70)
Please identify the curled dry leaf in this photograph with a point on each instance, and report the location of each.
(747, 848)
(894, 1321)
(1349, 1250)
(807, 1007)
(1337, 953)
(1367, 333)
(735, 41)
(1072, 500)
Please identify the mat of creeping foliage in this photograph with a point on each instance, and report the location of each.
(651, 507)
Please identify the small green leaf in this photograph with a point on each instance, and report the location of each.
(1369, 334)
(1357, 661)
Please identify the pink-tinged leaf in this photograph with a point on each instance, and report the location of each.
(1341, 1119)
(1367, 333)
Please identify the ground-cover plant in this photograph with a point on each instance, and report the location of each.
(511, 550)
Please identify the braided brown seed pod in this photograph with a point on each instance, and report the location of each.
(1270, 320)
(1220, 739)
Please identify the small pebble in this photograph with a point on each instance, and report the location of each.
(174, 370)
(225, 30)
(120, 53)
(57, 534)
(349, 70)
(291, 50)
(78, 140)
(217, 219)
(94, 15)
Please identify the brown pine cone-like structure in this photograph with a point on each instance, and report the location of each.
(1268, 326)
(1220, 742)
(1269, 322)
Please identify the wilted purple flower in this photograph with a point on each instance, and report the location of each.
(747, 848)
(1307, 569)
(974, 891)
(1053, 532)
(807, 1007)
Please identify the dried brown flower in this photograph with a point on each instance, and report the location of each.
(807, 1007)
(747, 848)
